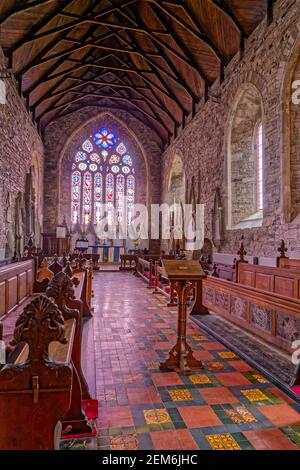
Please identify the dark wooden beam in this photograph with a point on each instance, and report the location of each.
(270, 8)
(99, 96)
(39, 25)
(230, 14)
(21, 8)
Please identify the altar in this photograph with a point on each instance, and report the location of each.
(107, 253)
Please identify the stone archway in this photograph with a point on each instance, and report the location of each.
(290, 140)
(242, 184)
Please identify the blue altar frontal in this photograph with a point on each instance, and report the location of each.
(107, 254)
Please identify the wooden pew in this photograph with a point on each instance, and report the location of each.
(16, 283)
(223, 271)
(273, 317)
(84, 290)
(162, 285)
(35, 395)
(61, 289)
(128, 262)
(145, 269)
(280, 281)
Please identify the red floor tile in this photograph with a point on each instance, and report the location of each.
(199, 416)
(173, 440)
(119, 416)
(280, 415)
(232, 379)
(213, 346)
(241, 366)
(203, 355)
(217, 395)
(269, 439)
(141, 395)
(163, 379)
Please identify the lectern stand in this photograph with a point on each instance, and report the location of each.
(183, 276)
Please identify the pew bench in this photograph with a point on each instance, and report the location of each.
(36, 390)
(16, 284)
(273, 317)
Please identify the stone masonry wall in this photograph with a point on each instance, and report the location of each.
(20, 148)
(203, 143)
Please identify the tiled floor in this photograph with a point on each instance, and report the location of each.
(226, 405)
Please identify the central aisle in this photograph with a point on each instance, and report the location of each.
(227, 405)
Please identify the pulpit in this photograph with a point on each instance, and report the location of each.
(183, 276)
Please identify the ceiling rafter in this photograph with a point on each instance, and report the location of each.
(34, 35)
(24, 7)
(86, 35)
(40, 25)
(229, 13)
(97, 95)
(84, 82)
(159, 55)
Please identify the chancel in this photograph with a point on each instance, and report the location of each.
(150, 222)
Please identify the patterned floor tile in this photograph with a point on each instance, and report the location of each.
(226, 405)
(222, 442)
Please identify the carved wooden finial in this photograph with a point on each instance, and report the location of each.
(44, 272)
(61, 288)
(64, 260)
(80, 262)
(68, 269)
(40, 323)
(55, 267)
(215, 271)
(282, 249)
(242, 252)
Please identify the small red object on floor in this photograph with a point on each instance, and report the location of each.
(90, 408)
(296, 389)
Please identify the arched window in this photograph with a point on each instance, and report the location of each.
(245, 161)
(259, 165)
(102, 172)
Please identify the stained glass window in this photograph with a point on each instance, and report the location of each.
(76, 193)
(120, 193)
(87, 146)
(130, 197)
(87, 197)
(93, 183)
(98, 197)
(259, 156)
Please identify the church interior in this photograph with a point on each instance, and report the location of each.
(120, 331)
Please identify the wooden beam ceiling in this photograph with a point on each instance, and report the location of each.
(156, 58)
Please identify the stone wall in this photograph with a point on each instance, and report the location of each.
(204, 142)
(62, 138)
(20, 149)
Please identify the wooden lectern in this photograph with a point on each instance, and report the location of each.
(183, 276)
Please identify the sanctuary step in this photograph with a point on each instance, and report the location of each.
(271, 361)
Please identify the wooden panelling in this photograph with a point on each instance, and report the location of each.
(2, 298)
(271, 316)
(285, 286)
(287, 263)
(16, 282)
(30, 278)
(247, 278)
(12, 292)
(22, 286)
(267, 278)
(264, 282)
